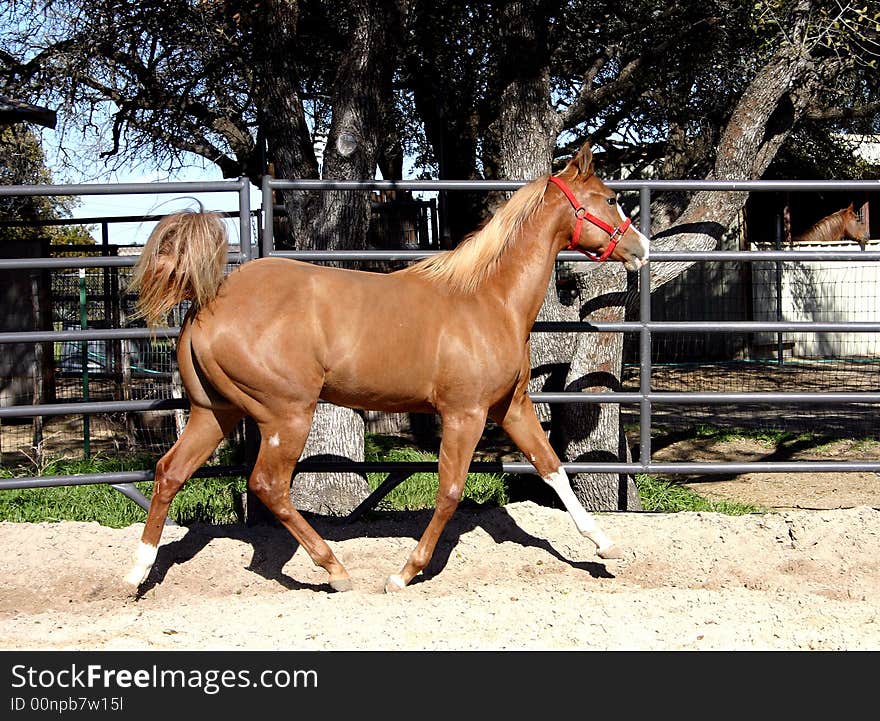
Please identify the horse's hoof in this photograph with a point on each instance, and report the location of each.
(613, 551)
(341, 584)
(135, 578)
(125, 591)
(394, 583)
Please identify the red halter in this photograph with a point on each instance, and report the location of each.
(581, 213)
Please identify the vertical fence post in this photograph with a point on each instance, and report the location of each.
(107, 300)
(39, 369)
(780, 350)
(244, 219)
(254, 511)
(268, 240)
(645, 336)
(84, 353)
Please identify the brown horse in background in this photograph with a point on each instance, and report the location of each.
(842, 225)
(449, 334)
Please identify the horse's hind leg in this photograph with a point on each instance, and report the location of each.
(460, 434)
(524, 429)
(203, 432)
(280, 448)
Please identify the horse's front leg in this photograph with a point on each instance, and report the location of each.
(459, 437)
(522, 425)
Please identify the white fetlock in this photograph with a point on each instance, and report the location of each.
(586, 524)
(394, 583)
(144, 558)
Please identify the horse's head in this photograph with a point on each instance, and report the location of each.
(599, 227)
(853, 228)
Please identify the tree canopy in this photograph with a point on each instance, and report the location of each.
(651, 85)
(22, 162)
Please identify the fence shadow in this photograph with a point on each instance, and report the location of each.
(273, 546)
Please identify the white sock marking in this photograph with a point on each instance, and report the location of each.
(586, 524)
(144, 558)
(396, 580)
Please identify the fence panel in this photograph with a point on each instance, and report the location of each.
(110, 347)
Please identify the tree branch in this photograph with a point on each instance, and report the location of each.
(866, 110)
(590, 98)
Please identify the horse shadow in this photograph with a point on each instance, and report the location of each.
(273, 546)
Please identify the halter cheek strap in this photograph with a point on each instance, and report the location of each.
(581, 214)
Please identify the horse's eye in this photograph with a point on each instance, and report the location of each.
(612, 201)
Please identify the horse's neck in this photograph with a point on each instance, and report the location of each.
(809, 235)
(830, 228)
(525, 270)
(835, 228)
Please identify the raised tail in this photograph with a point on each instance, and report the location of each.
(183, 259)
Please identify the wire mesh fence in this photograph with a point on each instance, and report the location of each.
(754, 361)
(120, 369)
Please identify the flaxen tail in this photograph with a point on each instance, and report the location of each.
(183, 259)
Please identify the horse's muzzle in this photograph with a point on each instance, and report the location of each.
(635, 255)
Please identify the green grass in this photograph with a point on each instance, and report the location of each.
(217, 500)
(669, 497)
(420, 489)
(771, 437)
(206, 500)
(865, 444)
(69, 503)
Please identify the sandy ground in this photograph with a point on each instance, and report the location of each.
(814, 491)
(518, 577)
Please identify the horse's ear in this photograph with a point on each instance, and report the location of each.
(582, 163)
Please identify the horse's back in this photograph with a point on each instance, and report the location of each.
(281, 330)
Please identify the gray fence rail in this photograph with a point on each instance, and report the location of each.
(645, 398)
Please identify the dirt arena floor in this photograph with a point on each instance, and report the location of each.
(512, 578)
(802, 575)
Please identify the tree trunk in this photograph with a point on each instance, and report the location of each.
(337, 435)
(590, 431)
(761, 122)
(339, 220)
(522, 139)
(288, 141)
(447, 95)
(454, 141)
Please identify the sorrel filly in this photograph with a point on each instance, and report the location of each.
(842, 225)
(449, 334)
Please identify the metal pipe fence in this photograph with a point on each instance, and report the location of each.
(645, 398)
(119, 481)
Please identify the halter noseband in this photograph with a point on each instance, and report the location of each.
(581, 213)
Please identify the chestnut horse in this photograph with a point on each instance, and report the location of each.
(842, 225)
(449, 334)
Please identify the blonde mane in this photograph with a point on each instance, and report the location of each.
(466, 268)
